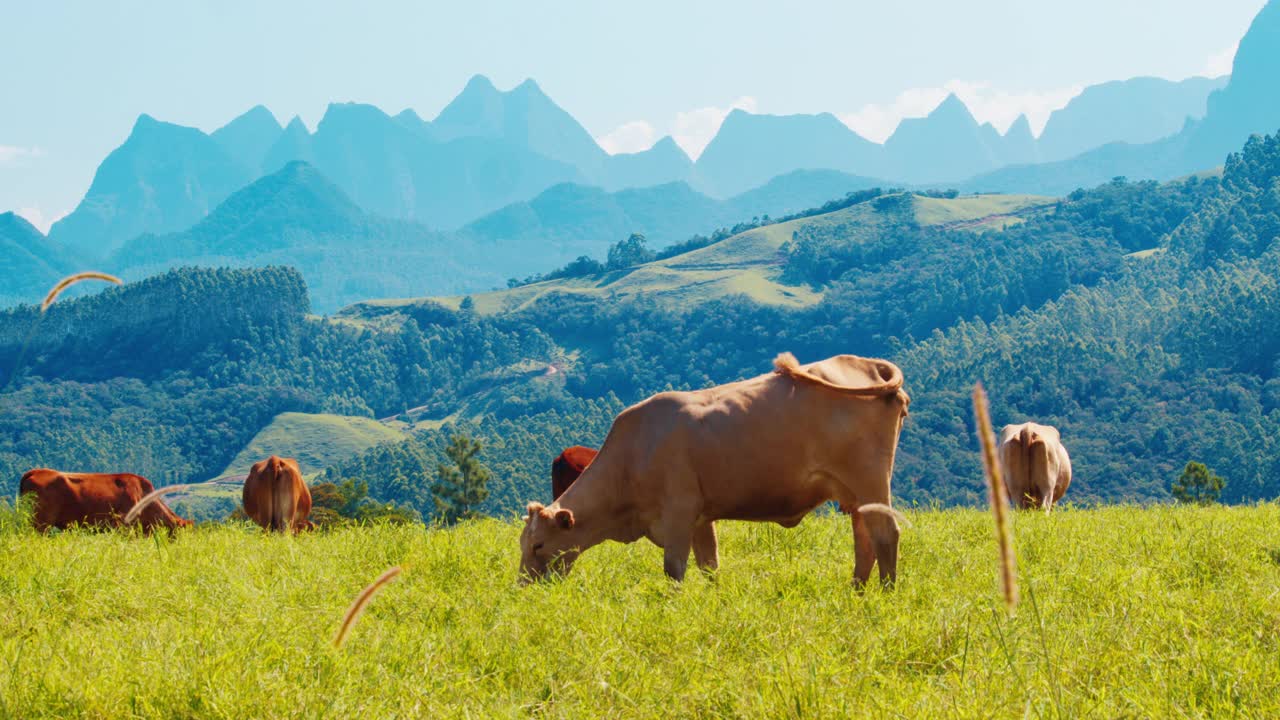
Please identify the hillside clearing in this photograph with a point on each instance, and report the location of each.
(747, 264)
(316, 441)
(1154, 612)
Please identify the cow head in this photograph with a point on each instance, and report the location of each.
(547, 544)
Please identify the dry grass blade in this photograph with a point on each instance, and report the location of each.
(70, 280)
(997, 496)
(357, 607)
(149, 498)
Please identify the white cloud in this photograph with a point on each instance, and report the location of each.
(877, 122)
(1220, 63)
(693, 130)
(37, 217)
(987, 104)
(1001, 108)
(13, 156)
(632, 137)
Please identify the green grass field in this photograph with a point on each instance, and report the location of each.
(1126, 612)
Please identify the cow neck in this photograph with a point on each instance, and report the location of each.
(601, 507)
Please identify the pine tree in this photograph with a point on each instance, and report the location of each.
(462, 485)
(1198, 485)
(628, 253)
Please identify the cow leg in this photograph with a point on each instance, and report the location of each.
(864, 554)
(705, 549)
(883, 529)
(675, 559)
(676, 543)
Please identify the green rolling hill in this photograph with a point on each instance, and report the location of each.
(749, 263)
(316, 441)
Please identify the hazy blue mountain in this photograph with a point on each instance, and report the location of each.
(749, 150)
(250, 136)
(489, 149)
(799, 190)
(947, 144)
(1161, 159)
(570, 220)
(1139, 110)
(30, 263)
(414, 122)
(663, 163)
(397, 167)
(1018, 145)
(292, 145)
(163, 178)
(297, 217)
(523, 117)
(1247, 105)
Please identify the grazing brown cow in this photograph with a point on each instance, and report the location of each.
(103, 499)
(1034, 464)
(570, 463)
(276, 497)
(771, 448)
(567, 466)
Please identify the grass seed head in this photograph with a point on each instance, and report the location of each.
(357, 607)
(70, 280)
(997, 496)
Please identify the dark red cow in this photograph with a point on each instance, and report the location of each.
(568, 466)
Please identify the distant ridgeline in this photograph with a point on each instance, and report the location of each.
(1138, 317)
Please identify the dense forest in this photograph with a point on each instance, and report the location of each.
(1138, 317)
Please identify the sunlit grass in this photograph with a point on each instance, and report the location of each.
(1157, 612)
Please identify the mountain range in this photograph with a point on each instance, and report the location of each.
(1241, 107)
(489, 148)
(29, 262)
(297, 216)
(513, 170)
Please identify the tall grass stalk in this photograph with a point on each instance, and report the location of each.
(149, 498)
(53, 294)
(357, 607)
(997, 497)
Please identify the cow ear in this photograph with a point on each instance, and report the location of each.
(534, 508)
(564, 518)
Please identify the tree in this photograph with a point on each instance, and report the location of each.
(462, 486)
(338, 503)
(1198, 485)
(628, 253)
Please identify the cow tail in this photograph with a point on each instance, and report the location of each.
(281, 499)
(1038, 465)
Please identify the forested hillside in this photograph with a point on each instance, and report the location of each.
(1138, 317)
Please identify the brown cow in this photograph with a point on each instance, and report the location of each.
(771, 448)
(1034, 464)
(101, 499)
(276, 497)
(570, 463)
(567, 466)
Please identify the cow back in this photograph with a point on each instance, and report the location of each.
(275, 495)
(65, 499)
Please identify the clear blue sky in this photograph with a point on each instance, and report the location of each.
(75, 75)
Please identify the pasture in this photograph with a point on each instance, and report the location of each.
(1126, 611)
